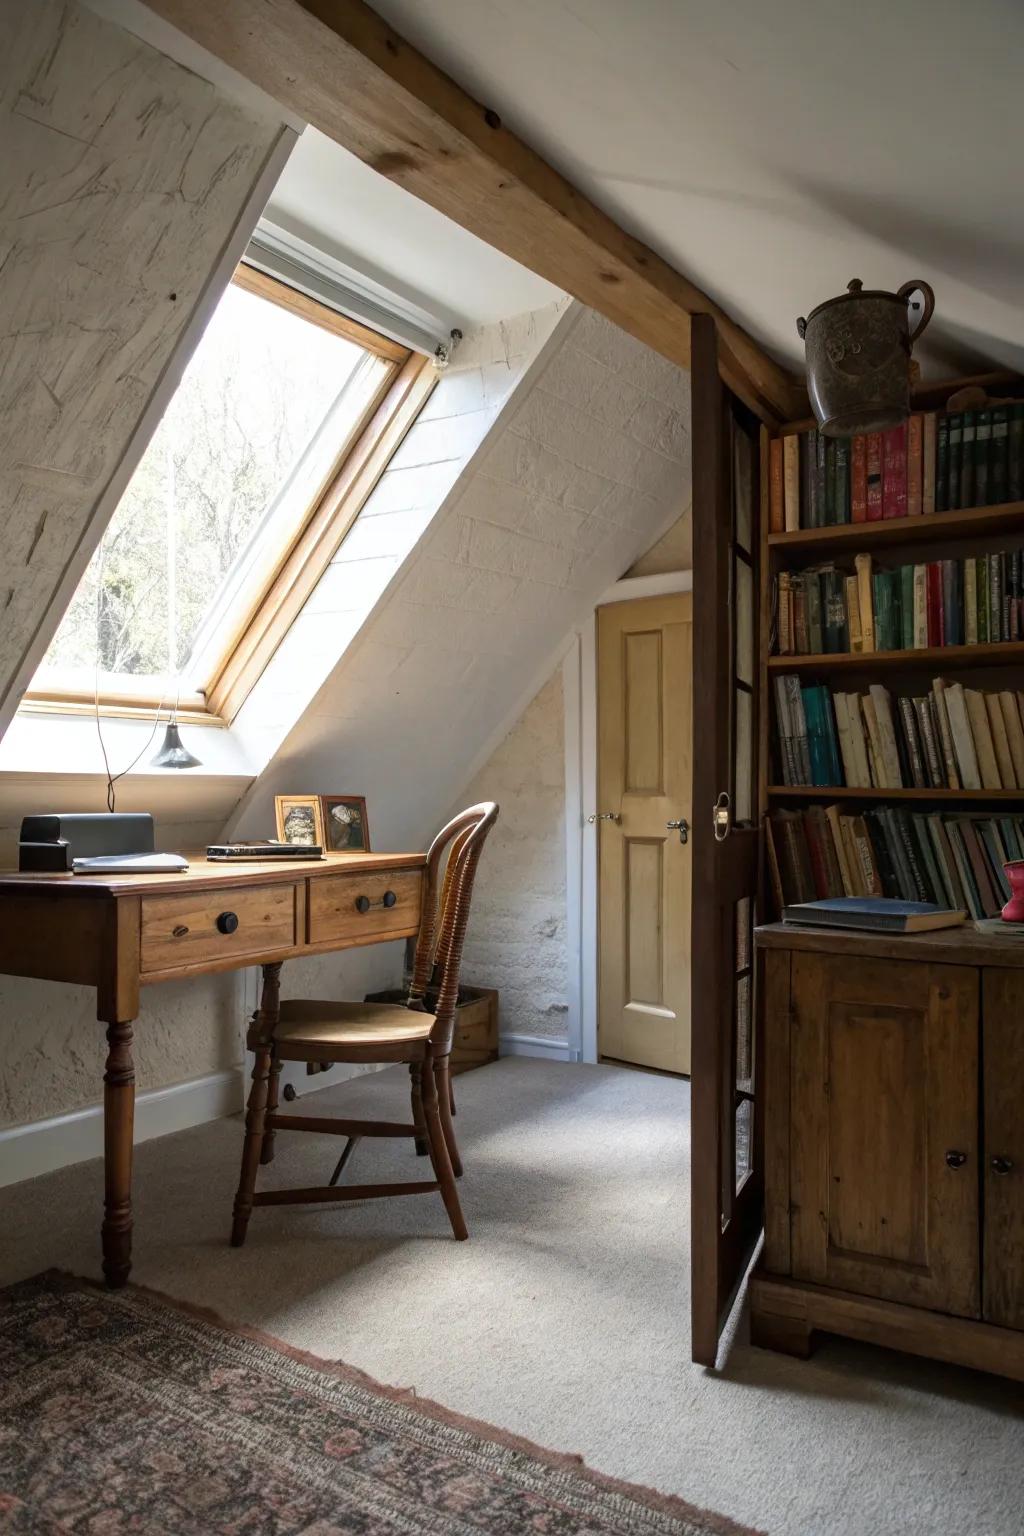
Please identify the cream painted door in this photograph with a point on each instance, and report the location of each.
(644, 756)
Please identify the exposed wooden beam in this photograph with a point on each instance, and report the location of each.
(340, 67)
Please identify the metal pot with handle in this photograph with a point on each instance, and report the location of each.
(858, 356)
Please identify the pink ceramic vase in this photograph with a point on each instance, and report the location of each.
(1013, 912)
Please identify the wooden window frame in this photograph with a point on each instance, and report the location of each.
(249, 646)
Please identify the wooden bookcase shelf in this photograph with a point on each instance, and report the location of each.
(990, 668)
(842, 792)
(1008, 653)
(971, 522)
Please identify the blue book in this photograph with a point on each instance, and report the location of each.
(875, 913)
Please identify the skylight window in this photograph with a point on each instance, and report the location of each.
(277, 394)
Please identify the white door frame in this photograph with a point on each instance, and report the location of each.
(579, 691)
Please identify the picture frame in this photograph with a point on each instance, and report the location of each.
(345, 823)
(299, 819)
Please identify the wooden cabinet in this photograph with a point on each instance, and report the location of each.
(894, 1144)
(884, 1169)
(1003, 1146)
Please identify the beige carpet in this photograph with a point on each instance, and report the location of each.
(565, 1317)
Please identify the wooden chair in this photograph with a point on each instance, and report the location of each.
(418, 1032)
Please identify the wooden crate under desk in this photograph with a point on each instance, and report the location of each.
(476, 1025)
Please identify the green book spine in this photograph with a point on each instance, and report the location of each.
(831, 735)
(814, 626)
(830, 482)
(995, 599)
(999, 457)
(810, 483)
(971, 600)
(942, 462)
(983, 457)
(842, 480)
(1015, 453)
(820, 451)
(885, 592)
(834, 618)
(956, 434)
(906, 607)
(968, 462)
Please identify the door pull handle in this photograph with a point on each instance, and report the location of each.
(721, 816)
(604, 816)
(682, 826)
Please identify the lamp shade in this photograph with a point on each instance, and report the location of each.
(173, 754)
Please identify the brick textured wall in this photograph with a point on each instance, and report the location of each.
(516, 940)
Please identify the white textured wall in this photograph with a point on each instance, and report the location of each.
(123, 180)
(516, 940)
(672, 552)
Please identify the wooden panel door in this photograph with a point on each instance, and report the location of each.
(644, 777)
(1003, 1173)
(726, 1181)
(884, 1129)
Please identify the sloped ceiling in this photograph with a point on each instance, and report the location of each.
(772, 152)
(585, 466)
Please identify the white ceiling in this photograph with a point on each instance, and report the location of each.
(772, 152)
(336, 203)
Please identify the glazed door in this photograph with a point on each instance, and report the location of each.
(726, 1179)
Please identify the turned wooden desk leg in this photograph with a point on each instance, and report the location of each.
(261, 1035)
(118, 1133)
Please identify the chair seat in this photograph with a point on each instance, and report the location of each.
(307, 1021)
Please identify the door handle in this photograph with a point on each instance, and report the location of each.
(721, 816)
(682, 826)
(604, 816)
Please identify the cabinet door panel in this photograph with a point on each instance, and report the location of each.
(1003, 1053)
(884, 1076)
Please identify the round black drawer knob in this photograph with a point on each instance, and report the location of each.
(362, 903)
(227, 922)
(390, 898)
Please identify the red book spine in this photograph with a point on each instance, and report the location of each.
(776, 512)
(859, 480)
(874, 476)
(819, 870)
(915, 464)
(894, 472)
(936, 623)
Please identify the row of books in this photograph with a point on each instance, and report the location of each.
(978, 600)
(949, 738)
(954, 860)
(934, 462)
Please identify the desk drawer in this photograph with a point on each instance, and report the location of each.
(191, 930)
(334, 907)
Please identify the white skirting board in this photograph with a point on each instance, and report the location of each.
(535, 1045)
(43, 1145)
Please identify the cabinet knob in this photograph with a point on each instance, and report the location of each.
(956, 1159)
(390, 898)
(362, 903)
(1001, 1165)
(227, 922)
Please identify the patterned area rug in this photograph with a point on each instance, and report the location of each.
(122, 1412)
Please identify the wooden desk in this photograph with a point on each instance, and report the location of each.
(120, 933)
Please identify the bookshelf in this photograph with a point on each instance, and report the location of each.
(891, 844)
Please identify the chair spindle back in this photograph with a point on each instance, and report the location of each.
(443, 923)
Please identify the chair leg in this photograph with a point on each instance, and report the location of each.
(451, 1091)
(416, 1074)
(346, 1153)
(443, 1076)
(273, 1087)
(440, 1159)
(253, 1145)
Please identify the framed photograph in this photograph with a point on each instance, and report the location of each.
(299, 819)
(345, 825)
